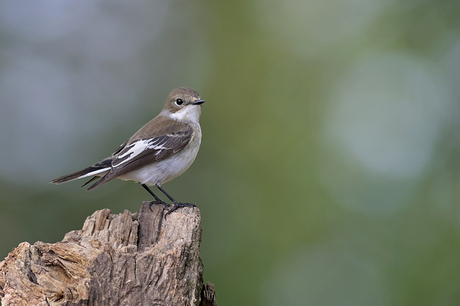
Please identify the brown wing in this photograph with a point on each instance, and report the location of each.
(139, 152)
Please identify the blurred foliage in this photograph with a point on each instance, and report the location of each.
(329, 168)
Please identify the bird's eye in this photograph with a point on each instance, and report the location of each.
(179, 101)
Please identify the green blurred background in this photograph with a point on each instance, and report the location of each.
(329, 172)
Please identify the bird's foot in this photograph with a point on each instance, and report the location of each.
(158, 201)
(178, 205)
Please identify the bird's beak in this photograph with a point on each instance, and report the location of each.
(198, 102)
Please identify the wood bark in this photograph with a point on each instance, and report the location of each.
(115, 259)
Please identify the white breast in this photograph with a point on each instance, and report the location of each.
(163, 171)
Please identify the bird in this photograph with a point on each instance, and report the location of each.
(161, 150)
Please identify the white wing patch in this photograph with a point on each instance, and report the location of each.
(95, 172)
(140, 146)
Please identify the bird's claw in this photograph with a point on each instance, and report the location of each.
(178, 205)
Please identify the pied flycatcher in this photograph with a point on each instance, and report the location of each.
(161, 150)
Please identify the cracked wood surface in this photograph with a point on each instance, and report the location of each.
(121, 259)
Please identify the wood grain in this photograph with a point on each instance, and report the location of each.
(115, 259)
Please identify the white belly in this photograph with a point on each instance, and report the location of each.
(163, 171)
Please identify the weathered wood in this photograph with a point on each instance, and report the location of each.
(122, 259)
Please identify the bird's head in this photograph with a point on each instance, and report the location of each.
(183, 104)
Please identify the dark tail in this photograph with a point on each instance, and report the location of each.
(100, 167)
(108, 177)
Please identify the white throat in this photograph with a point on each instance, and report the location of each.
(190, 113)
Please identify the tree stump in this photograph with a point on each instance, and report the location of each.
(122, 259)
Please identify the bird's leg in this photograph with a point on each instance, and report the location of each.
(157, 199)
(176, 204)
